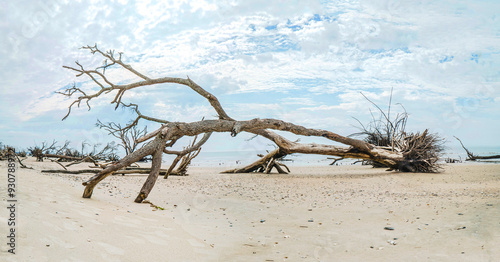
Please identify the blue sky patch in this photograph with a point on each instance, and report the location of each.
(446, 59)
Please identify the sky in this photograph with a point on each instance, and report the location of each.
(306, 62)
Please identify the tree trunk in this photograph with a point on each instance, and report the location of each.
(126, 161)
(95, 171)
(153, 176)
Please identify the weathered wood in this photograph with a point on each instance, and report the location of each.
(124, 162)
(265, 164)
(186, 156)
(472, 157)
(66, 157)
(153, 176)
(96, 171)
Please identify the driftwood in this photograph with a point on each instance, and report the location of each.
(265, 164)
(335, 160)
(96, 171)
(185, 156)
(401, 158)
(7, 152)
(472, 157)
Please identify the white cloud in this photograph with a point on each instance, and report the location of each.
(297, 101)
(431, 53)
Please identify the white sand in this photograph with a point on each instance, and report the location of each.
(450, 216)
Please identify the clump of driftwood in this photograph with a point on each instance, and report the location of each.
(65, 156)
(8, 152)
(449, 160)
(421, 151)
(101, 159)
(64, 153)
(472, 157)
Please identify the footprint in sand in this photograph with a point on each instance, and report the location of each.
(156, 240)
(52, 226)
(195, 243)
(111, 249)
(135, 239)
(71, 225)
(57, 242)
(126, 221)
(85, 213)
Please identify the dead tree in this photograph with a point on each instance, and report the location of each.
(60, 154)
(472, 157)
(169, 132)
(39, 151)
(127, 135)
(265, 164)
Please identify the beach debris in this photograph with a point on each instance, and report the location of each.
(153, 205)
(265, 164)
(460, 214)
(392, 242)
(310, 220)
(262, 220)
(460, 228)
(472, 157)
(388, 228)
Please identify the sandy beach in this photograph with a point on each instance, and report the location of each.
(328, 213)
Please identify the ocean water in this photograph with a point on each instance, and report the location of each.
(242, 158)
(457, 152)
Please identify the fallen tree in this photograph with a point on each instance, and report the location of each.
(265, 164)
(410, 154)
(95, 171)
(472, 157)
